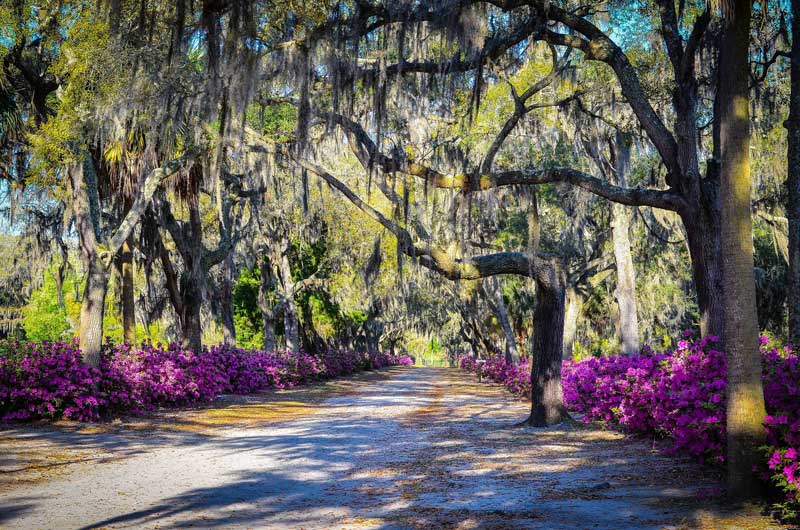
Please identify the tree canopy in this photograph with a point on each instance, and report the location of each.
(518, 178)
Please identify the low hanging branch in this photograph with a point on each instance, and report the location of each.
(664, 199)
(368, 154)
(143, 198)
(437, 259)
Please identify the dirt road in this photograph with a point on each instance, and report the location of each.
(406, 448)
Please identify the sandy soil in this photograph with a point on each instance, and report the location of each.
(403, 448)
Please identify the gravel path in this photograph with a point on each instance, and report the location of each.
(407, 448)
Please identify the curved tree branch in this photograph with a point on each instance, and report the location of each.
(470, 268)
(664, 199)
(143, 198)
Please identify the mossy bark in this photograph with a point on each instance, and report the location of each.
(745, 411)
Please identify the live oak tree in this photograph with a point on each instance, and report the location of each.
(700, 198)
(547, 407)
(98, 249)
(158, 98)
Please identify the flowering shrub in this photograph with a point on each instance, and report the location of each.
(50, 380)
(781, 379)
(46, 380)
(381, 360)
(679, 395)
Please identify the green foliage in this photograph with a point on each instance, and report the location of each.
(44, 318)
(428, 351)
(326, 317)
(276, 122)
(92, 74)
(246, 314)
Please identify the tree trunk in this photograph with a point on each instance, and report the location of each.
(793, 181)
(625, 292)
(192, 280)
(291, 325)
(269, 333)
(702, 232)
(267, 308)
(547, 401)
(511, 350)
(192, 301)
(86, 209)
(226, 302)
(574, 306)
(373, 340)
(61, 273)
(745, 411)
(124, 268)
(92, 311)
(290, 314)
(124, 265)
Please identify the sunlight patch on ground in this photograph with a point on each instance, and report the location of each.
(406, 448)
(26, 461)
(43, 451)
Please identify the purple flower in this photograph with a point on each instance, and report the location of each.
(50, 380)
(679, 395)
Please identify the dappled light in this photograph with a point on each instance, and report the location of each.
(408, 448)
(392, 264)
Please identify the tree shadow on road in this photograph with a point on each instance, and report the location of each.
(424, 449)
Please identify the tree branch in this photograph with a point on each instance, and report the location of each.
(599, 47)
(664, 199)
(695, 38)
(436, 259)
(520, 109)
(143, 198)
(671, 34)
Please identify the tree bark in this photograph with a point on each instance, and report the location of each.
(226, 302)
(191, 326)
(192, 280)
(703, 235)
(547, 401)
(86, 209)
(290, 314)
(92, 311)
(291, 325)
(793, 181)
(574, 306)
(625, 293)
(266, 286)
(184, 297)
(124, 268)
(124, 264)
(499, 305)
(745, 411)
(61, 274)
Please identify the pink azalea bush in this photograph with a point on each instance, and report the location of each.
(50, 380)
(678, 395)
(46, 381)
(781, 377)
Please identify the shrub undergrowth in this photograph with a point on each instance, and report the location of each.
(50, 380)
